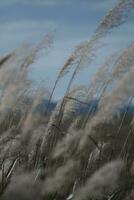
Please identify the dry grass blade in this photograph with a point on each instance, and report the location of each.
(5, 58)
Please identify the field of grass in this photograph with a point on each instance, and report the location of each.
(82, 148)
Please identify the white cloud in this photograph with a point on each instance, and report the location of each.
(38, 2)
(14, 33)
(102, 4)
(98, 4)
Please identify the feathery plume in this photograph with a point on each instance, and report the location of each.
(102, 183)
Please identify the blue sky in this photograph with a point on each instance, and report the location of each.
(29, 20)
(73, 21)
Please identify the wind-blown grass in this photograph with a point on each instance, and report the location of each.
(66, 153)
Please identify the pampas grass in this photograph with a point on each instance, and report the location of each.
(66, 153)
(104, 181)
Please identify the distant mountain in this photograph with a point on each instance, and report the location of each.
(91, 107)
(41, 107)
